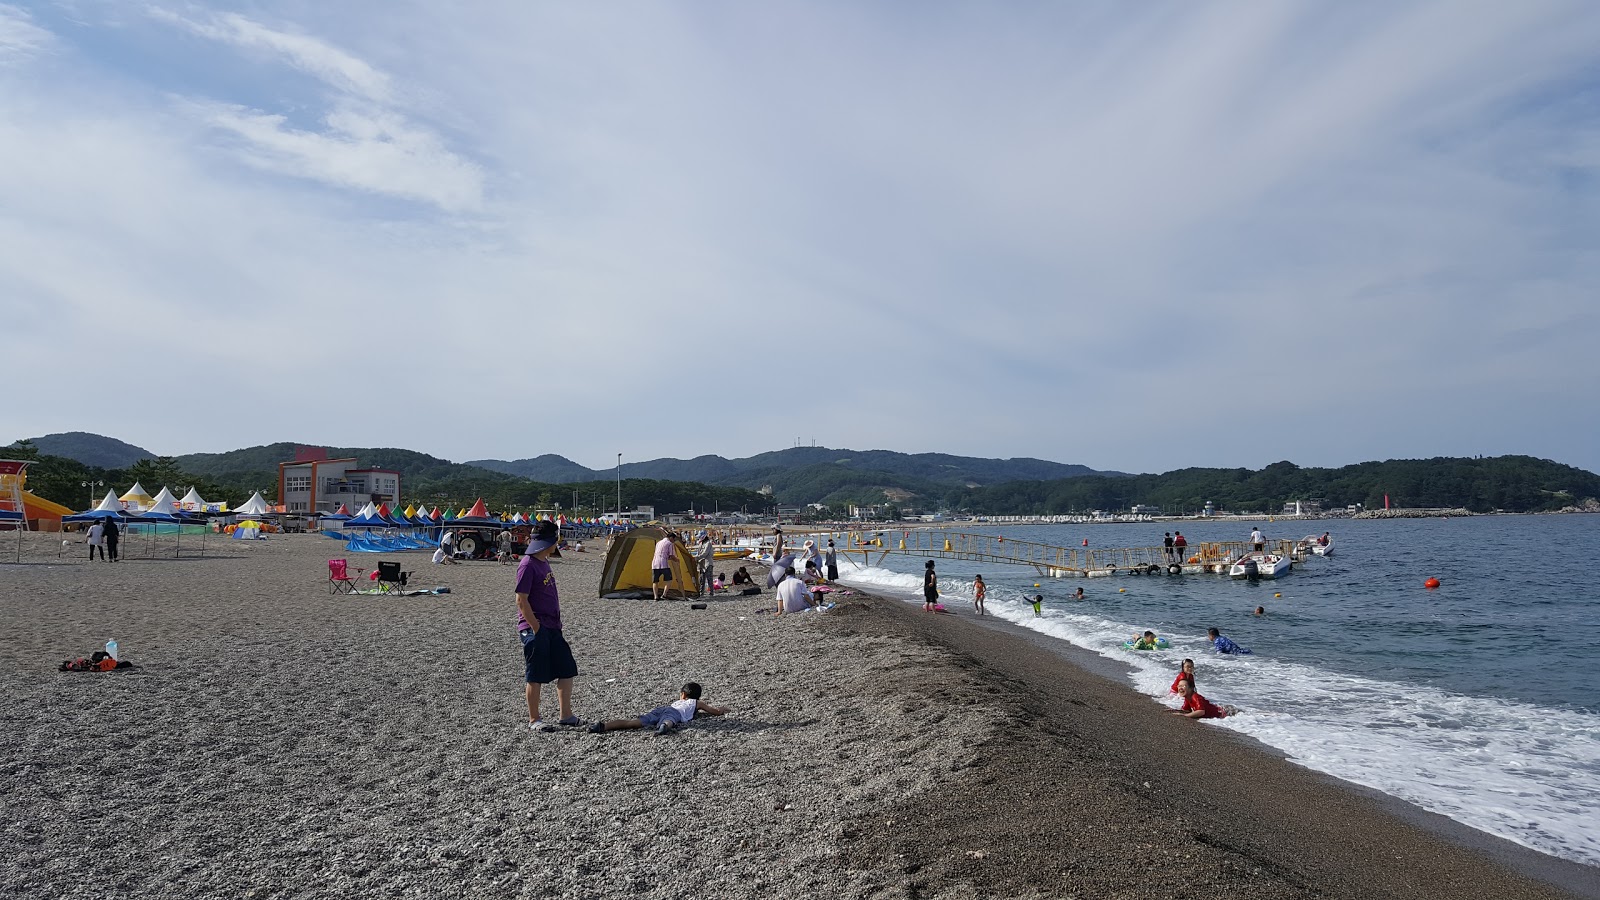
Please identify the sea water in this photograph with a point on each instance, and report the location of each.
(1475, 700)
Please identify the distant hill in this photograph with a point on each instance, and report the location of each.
(94, 450)
(813, 474)
(265, 459)
(548, 468)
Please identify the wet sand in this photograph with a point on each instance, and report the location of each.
(278, 741)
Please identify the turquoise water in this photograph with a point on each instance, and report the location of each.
(1471, 700)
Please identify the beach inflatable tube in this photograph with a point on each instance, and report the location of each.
(1161, 644)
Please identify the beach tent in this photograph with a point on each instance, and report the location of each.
(369, 518)
(248, 530)
(193, 502)
(255, 506)
(137, 497)
(164, 502)
(109, 508)
(627, 568)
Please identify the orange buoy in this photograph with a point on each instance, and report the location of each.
(1431, 583)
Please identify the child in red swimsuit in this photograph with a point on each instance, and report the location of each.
(1197, 707)
(1185, 673)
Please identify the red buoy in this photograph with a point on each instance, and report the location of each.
(1431, 583)
(1086, 542)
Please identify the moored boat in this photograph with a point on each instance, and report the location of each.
(1259, 565)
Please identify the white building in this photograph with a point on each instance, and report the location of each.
(315, 484)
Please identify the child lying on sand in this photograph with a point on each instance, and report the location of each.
(666, 718)
(1197, 707)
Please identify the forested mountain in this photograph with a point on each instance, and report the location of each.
(91, 449)
(1505, 483)
(815, 474)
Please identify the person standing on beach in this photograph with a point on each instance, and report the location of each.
(112, 536)
(706, 556)
(930, 587)
(978, 590)
(1167, 545)
(546, 656)
(97, 540)
(661, 567)
(831, 560)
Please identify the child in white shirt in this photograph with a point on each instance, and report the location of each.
(665, 718)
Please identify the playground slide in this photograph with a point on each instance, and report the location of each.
(39, 508)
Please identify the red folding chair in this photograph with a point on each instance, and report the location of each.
(339, 579)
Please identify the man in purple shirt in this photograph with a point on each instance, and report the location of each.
(545, 654)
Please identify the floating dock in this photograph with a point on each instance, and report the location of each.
(1048, 561)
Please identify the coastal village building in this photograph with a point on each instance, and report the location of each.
(1302, 507)
(314, 484)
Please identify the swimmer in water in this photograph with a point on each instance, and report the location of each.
(1038, 600)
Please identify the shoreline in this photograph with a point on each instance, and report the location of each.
(1431, 849)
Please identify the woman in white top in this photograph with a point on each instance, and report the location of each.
(97, 540)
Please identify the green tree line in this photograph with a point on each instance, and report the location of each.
(1503, 483)
(64, 481)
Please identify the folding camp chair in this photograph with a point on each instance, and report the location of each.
(390, 578)
(339, 578)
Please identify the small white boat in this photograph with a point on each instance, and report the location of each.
(1312, 543)
(1259, 565)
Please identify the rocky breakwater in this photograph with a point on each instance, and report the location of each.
(1413, 513)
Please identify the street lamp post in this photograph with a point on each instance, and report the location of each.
(619, 488)
(91, 486)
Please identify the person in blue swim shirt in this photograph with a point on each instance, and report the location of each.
(1224, 645)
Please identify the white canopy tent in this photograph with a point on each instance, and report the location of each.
(164, 504)
(193, 502)
(255, 506)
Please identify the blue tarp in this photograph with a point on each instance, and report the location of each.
(390, 543)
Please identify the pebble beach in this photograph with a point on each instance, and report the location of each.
(277, 740)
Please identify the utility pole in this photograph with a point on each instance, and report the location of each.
(619, 489)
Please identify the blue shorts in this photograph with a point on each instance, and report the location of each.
(658, 715)
(546, 656)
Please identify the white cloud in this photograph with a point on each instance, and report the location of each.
(317, 58)
(368, 142)
(20, 37)
(371, 151)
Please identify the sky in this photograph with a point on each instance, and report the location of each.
(1137, 237)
